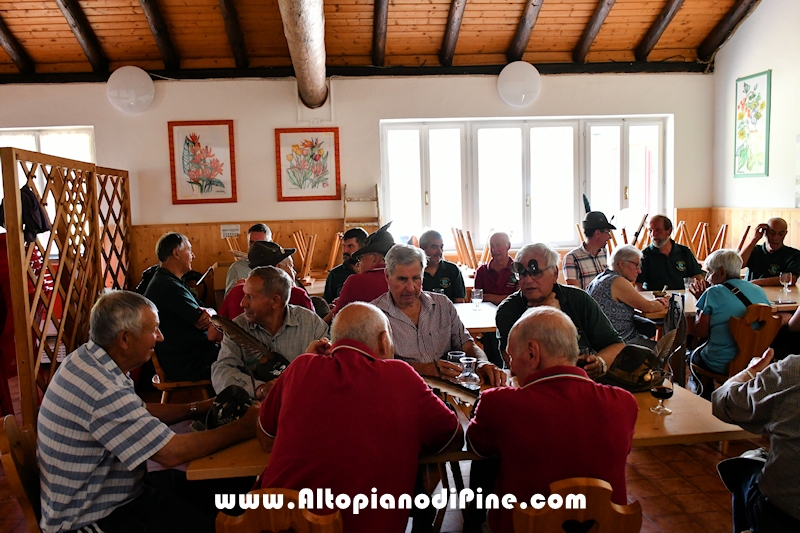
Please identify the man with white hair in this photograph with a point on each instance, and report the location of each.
(426, 324)
(496, 278)
(95, 434)
(536, 265)
(354, 422)
(558, 424)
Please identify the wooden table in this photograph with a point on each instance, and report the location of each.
(774, 294)
(690, 422)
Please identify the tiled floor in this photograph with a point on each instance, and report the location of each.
(677, 486)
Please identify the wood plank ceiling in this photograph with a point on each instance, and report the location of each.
(76, 40)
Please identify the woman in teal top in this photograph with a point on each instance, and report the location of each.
(717, 304)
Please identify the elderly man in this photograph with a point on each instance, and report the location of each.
(559, 424)
(352, 240)
(190, 342)
(240, 268)
(536, 266)
(440, 275)
(95, 434)
(764, 399)
(286, 329)
(665, 262)
(766, 261)
(263, 253)
(589, 260)
(496, 278)
(426, 324)
(370, 282)
(333, 421)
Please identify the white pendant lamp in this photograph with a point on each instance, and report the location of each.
(130, 89)
(519, 84)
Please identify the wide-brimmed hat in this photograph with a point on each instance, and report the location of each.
(595, 220)
(265, 253)
(379, 242)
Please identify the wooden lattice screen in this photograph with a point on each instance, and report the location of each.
(56, 278)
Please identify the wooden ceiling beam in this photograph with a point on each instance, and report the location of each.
(724, 29)
(83, 32)
(15, 50)
(657, 29)
(451, 32)
(380, 21)
(161, 34)
(592, 30)
(235, 35)
(304, 27)
(524, 29)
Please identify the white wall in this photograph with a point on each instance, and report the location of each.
(768, 39)
(139, 143)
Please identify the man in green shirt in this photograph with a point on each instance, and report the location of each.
(766, 261)
(665, 262)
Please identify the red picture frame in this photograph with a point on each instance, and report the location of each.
(307, 164)
(205, 172)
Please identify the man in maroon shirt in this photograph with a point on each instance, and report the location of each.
(496, 278)
(353, 422)
(559, 424)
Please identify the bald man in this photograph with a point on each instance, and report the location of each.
(766, 261)
(558, 424)
(328, 417)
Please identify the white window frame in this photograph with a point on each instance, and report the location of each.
(582, 167)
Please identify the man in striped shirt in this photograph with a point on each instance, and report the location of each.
(95, 434)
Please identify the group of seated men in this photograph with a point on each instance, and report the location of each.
(330, 412)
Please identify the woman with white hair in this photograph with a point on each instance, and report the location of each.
(716, 304)
(619, 299)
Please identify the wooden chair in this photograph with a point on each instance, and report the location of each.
(333, 257)
(188, 388)
(599, 516)
(260, 520)
(18, 456)
(719, 240)
(753, 334)
(741, 241)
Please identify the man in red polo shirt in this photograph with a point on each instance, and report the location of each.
(370, 282)
(354, 421)
(559, 424)
(496, 278)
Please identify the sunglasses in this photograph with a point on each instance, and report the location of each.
(520, 271)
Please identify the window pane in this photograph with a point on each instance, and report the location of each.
(644, 165)
(75, 145)
(404, 183)
(23, 141)
(500, 182)
(552, 185)
(444, 148)
(605, 171)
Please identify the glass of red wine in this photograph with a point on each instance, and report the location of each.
(661, 388)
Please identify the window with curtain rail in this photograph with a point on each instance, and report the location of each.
(526, 177)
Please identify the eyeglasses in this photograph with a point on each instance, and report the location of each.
(606, 231)
(637, 265)
(532, 270)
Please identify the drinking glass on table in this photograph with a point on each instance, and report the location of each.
(786, 280)
(455, 357)
(661, 388)
(477, 297)
(468, 378)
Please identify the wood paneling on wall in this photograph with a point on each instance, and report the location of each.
(209, 246)
(738, 219)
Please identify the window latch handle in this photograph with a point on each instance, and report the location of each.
(527, 200)
(426, 198)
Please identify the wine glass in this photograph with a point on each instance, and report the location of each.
(661, 388)
(468, 378)
(786, 280)
(477, 297)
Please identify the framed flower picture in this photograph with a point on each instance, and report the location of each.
(201, 160)
(307, 164)
(751, 149)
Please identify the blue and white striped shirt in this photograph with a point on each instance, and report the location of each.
(94, 437)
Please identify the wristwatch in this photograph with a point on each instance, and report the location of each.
(193, 410)
(603, 364)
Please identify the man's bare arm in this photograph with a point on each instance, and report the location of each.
(760, 231)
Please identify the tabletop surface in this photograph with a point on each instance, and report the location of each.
(690, 422)
(781, 301)
(477, 319)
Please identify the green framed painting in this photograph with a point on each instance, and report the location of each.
(751, 148)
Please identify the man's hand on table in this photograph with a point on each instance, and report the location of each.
(491, 375)
(594, 368)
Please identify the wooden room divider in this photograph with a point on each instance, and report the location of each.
(56, 276)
